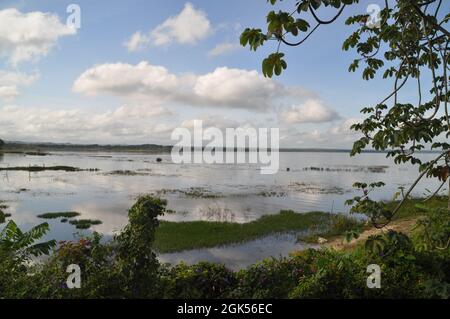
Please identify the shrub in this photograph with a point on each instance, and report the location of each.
(203, 280)
(135, 256)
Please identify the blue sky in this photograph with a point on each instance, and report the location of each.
(73, 85)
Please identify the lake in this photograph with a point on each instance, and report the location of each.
(238, 193)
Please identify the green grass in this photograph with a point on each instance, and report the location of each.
(337, 225)
(409, 207)
(59, 215)
(173, 236)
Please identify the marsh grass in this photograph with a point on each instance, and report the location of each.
(85, 223)
(178, 236)
(47, 168)
(336, 225)
(59, 215)
(127, 173)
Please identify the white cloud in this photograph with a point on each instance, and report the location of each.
(224, 87)
(137, 42)
(130, 123)
(11, 81)
(312, 111)
(336, 135)
(217, 121)
(29, 36)
(8, 92)
(237, 88)
(124, 79)
(188, 27)
(224, 48)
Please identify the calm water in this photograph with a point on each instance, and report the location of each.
(237, 193)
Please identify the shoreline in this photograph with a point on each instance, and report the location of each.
(174, 237)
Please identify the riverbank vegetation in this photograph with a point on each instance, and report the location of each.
(415, 266)
(177, 236)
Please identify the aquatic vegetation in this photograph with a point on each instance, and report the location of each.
(272, 194)
(335, 226)
(59, 215)
(66, 217)
(349, 168)
(47, 168)
(127, 173)
(218, 213)
(21, 190)
(85, 223)
(173, 236)
(127, 266)
(193, 192)
(37, 153)
(310, 188)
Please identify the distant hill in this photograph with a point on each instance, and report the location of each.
(145, 148)
(48, 147)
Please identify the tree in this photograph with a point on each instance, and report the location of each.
(135, 252)
(408, 43)
(21, 246)
(1, 143)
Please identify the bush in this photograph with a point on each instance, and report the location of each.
(126, 267)
(203, 280)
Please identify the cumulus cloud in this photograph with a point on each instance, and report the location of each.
(223, 48)
(188, 27)
(338, 135)
(237, 88)
(11, 81)
(224, 87)
(137, 42)
(129, 123)
(124, 79)
(312, 111)
(29, 36)
(217, 121)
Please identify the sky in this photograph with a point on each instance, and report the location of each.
(135, 70)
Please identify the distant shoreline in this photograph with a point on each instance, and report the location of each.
(21, 147)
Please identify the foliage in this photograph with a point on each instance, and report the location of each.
(203, 280)
(433, 231)
(409, 44)
(21, 246)
(126, 267)
(135, 256)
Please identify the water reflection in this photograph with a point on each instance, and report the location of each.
(240, 256)
(235, 193)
